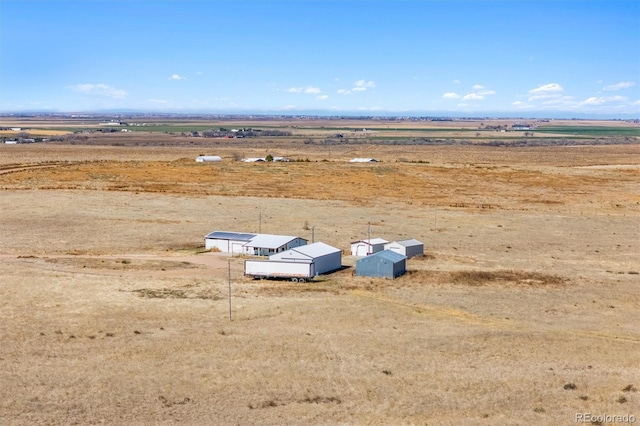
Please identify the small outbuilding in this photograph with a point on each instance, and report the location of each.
(410, 248)
(208, 159)
(367, 247)
(324, 257)
(384, 264)
(227, 242)
(267, 244)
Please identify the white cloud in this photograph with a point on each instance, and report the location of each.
(478, 87)
(157, 101)
(546, 90)
(364, 84)
(472, 97)
(177, 77)
(619, 86)
(451, 95)
(358, 86)
(603, 100)
(322, 97)
(456, 81)
(308, 90)
(100, 90)
(486, 92)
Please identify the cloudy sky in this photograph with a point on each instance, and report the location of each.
(474, 57)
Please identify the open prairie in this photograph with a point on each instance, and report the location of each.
(524, 309)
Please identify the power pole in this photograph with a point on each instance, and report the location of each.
(229, 264)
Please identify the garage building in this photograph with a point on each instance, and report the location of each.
(384, 264)
(325, 257)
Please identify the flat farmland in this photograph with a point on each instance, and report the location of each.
(524, 309)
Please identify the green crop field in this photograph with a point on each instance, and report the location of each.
(590, 131)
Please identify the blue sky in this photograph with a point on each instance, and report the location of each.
(466, 58)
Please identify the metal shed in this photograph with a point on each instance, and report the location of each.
(384, 264)
(409, 248)
(325, 257)
(367, 247)
(267, 244)
(227, 242)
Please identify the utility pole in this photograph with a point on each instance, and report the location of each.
(313, 234)
(369, 240)
(260, 223)
(229, 264)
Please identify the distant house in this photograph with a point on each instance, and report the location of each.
(363, 160)
(12, 142)
(367, 247)
(409, 248)
(384, 264)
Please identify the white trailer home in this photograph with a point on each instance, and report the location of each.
(367, 247)
(266, 244)
(227, 242)
(409, 248)
(324, 257)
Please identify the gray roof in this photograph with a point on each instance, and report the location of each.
(269, 241)
(372, 241)
(316, 249)
(409, 243)
(224, 235)
(389, 255)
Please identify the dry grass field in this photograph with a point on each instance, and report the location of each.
(524, 309)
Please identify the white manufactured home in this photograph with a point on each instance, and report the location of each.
(367, 247)
(409, 248)
(267, 244)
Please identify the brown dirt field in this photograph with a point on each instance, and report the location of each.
(523, 311)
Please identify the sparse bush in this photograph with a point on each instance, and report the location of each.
(570, 386)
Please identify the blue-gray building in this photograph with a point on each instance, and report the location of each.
(384, 264)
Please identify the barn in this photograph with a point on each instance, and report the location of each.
(367, 247)
(325, 257)
(267, 244)
(363, 160)
(384, 264)
(227, 242)
(409, 248)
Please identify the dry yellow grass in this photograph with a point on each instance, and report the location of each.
(524, 310)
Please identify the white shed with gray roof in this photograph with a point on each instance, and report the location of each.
(367, 247)
(409, 248)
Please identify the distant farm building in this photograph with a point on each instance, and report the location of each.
(409, 248)
(227, 242)
(208, 159)
(363, 160)
(266, 244)
(10, 142)
(253, 160)
(367, 247)
(384, 264)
